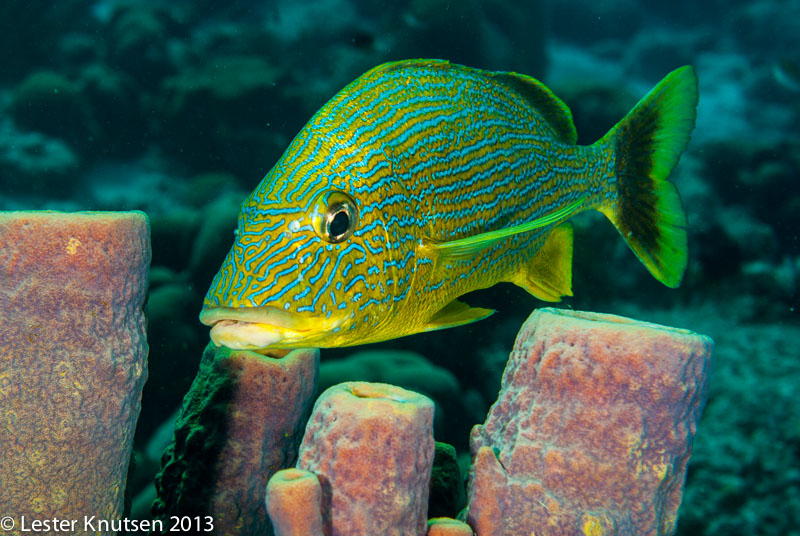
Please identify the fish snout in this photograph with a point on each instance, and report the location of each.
(259, 328)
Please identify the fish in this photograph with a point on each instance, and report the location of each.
(423, 180)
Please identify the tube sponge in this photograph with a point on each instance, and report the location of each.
(443, 526)
(294, 503)
(371, 446)
(72, 359)
(240, 422)
(592, 429)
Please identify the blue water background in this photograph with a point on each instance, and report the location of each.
(178, 108)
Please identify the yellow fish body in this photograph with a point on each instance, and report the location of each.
(424, 180)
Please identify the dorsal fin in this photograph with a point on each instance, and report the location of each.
(555, 112)
(390, 66)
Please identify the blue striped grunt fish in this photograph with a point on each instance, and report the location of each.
(423, 180)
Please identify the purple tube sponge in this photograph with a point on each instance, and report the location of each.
(240, 423)
(443, 526)
(592, 429)
(371, 446)
(294, 503)
(73, 358)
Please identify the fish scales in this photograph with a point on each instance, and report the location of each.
(477, 161)
(422, 154)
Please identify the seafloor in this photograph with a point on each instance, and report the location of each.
(179, 107)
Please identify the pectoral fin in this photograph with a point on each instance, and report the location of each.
(456, 313)
(465, 248)
(548, 275)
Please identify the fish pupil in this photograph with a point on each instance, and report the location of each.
(339, 224)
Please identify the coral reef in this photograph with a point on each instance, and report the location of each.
(116, 107)
(239, 96)
(32, 163)
(29, 30)
(591, 434)
(48, 102)
(177, 152)
(745, 483)
(592, 430)
(240, 423)
(73, 359)
(138, 40)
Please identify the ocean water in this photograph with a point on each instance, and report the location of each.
(179, 108)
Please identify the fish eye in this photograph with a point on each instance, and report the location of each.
(335, 216)
(338, 222)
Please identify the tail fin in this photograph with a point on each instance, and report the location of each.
(648, 142)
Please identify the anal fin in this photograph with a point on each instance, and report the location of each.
(548, 276)
(456, 313)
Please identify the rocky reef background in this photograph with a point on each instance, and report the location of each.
(179, 107)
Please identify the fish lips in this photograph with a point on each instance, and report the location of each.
(257, 328)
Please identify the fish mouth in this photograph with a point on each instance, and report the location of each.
(259, 328)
